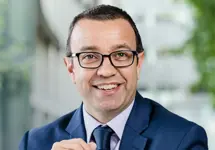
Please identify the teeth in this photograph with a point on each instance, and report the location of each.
(107, 87)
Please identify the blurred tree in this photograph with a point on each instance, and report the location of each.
(3, 13)
(202, 45)
(17, 43)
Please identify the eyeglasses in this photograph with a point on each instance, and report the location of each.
(93, 60)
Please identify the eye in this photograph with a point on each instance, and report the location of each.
(89, 56)
(120, 54)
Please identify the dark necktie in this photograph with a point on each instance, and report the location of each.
(102, 136)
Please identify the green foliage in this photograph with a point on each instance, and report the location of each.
(15, 60)
(14, 68)
(202, 45)
(3, 6)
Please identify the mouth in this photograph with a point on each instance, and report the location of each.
(107, 87)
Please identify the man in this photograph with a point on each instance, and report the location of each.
(104, 58)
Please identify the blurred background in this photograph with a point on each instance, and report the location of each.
(35, 89)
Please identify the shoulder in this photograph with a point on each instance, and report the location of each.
(170, 127)
(167, 118)
(42, 137)
(55, 127)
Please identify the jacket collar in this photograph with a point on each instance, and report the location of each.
(140, 115)
(137, 123)
(76, 127)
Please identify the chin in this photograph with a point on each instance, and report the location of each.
(108, 106)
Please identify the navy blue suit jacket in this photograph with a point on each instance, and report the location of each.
(149, 127)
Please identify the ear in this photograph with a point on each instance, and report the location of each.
(140, 62)
(70, 68)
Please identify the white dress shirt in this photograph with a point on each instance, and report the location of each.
(117, 124)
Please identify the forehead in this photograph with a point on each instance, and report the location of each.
(103, 33)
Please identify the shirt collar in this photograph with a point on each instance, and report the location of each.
(117, 123)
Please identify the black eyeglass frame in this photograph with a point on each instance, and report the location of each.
(72, 55)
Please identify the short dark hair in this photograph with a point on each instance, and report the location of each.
(105, 12)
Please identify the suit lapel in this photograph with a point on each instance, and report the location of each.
(76, 127)
(138, 121)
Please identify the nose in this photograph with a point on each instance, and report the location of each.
(106, 69)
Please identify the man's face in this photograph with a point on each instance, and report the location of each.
(104, 37)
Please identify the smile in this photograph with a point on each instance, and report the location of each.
(107, 86)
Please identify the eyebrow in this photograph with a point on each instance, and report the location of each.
(87, 48)
(119, 46)
(115, 47)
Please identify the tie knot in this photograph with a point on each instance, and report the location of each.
(102, 136)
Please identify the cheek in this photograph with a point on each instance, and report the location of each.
(130, 75)
(132, 79)
(84, 77)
